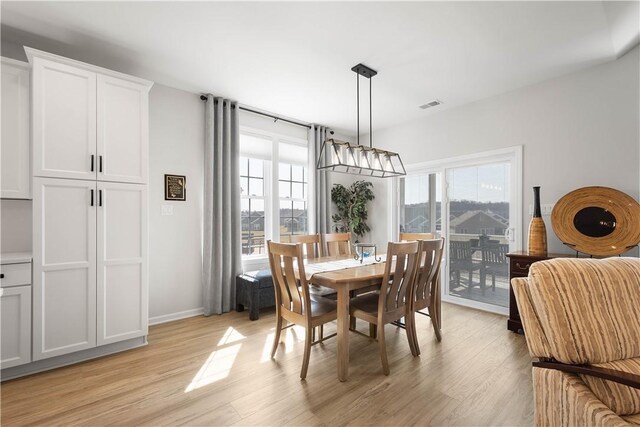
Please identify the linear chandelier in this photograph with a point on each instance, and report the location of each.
(344, 157)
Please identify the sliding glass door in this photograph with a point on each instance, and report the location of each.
(474, 202)
(479, 202)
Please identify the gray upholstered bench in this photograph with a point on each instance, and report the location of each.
(254, 290)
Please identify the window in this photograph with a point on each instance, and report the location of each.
(292, 190)
(252, 212)
(420, 204)
(274, 181)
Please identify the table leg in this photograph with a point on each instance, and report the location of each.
(343, 333)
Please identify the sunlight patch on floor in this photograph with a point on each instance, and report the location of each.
(216, 368)
(266, 349)
(231, 335)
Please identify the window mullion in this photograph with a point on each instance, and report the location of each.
(274, 196)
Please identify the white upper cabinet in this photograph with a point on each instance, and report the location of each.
(122, 130)
(64, 121)
(15, 171)
(88, 122)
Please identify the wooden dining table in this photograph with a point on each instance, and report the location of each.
(343, 281)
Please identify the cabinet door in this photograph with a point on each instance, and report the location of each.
(15, 312)
(15, 173)
(64, 266)
(122, 262)
(122, 130)
(64, 121)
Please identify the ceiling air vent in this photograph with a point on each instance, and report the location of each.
(431, 104)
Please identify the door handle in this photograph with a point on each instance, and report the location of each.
(508, 234)
(91, 197)
(92, 159)
(100, 198)
(100, 160)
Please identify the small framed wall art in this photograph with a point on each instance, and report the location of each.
(175, 187)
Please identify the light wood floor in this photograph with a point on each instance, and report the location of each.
(217, 371)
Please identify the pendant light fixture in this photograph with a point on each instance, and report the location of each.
(356, 159)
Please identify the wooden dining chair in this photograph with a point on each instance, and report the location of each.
(393, 302)
(337, 244)
(311, 244)
(494, 262)
(461, 258)
(293, 302)
(408, 237)
(427, 287)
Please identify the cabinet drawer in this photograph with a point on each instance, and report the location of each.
(15, 274)
(520, 266)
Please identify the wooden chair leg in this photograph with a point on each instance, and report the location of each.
(435, 321)
(352, 323)
(321, 332)
(307, 352)
(383, 350)
(410, 327)
(276, 338)
(493, 281)
(372, 330)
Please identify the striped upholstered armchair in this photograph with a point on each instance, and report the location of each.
(581, 319)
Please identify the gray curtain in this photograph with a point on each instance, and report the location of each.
(323, 190)
(222, 260)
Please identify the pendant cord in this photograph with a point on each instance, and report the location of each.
(370, 116)
(358, 105)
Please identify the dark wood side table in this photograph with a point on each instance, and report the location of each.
(519, 263)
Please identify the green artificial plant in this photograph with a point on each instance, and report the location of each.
(352, 206)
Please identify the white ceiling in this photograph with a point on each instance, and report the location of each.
(294, 59)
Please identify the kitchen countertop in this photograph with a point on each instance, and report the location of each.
(15, 257)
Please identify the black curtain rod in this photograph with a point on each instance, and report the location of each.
(276, 118)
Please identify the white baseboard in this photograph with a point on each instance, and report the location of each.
(176, 316)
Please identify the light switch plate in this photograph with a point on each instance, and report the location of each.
(544, 208)
(166, 210)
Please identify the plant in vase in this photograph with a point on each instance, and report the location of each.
(351, 203)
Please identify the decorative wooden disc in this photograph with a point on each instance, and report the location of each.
(598, 221)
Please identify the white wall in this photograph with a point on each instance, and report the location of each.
(176, 146)
(578, 130)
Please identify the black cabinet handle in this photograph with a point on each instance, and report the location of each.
(92, 159)
(100, 164)
(99, 197)
(1, 275)
(91, 197)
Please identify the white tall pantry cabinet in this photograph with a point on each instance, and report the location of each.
(90, 166)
